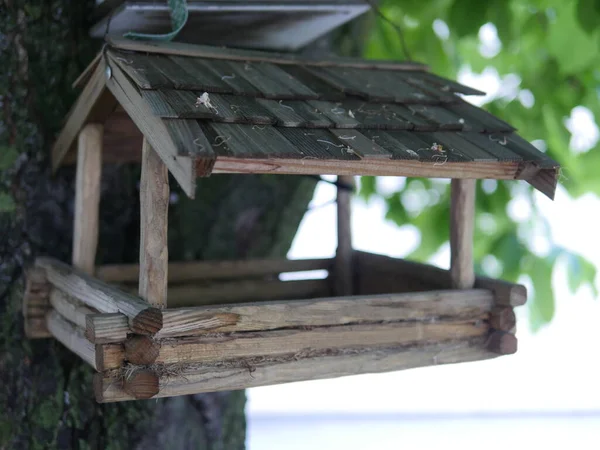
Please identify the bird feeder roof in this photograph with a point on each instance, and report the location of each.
(216, 110)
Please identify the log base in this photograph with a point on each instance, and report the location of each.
(234, 325)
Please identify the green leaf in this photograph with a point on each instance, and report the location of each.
(580, 271)
(569, 43)
(466, 16)
(8, 155)
(588, 14)
(500, 14)
(542, 306)
(7, 204)
(367, 187)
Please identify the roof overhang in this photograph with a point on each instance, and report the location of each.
(285, 25)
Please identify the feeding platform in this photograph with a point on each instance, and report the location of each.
(163, 328)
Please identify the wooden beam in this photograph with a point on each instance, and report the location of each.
(499, 170)
(190, 295)
(251, 373)
(462, 221)
(69, 308)
(263, 344)
(95, 103)
(143, 319)
(87, 197)
(344, 268)
(505, 293)
(423, 306)
(154, 210)
(183, 272)
(36, 303)
(503, 318)
(106, 328)
(502, 343)
(71, 337)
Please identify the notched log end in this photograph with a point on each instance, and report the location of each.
(147, 322)
(503, 318)
(142, 384)
(502, 343)
(141, 350)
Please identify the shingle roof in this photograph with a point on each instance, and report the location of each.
(255, 112)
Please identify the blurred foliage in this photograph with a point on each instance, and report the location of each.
(552, 46)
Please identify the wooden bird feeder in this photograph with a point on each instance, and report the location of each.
(165, 328)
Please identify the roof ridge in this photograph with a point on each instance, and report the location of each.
(234, 54)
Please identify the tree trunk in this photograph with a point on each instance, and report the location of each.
(46, 400)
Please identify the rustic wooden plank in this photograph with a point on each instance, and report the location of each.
(298, 88)
(454, 144)
(108, 387)
(216, 53)
(36, 303)
(505, 293)
(216, 349)
(447, 85)
(471, 113)
(226, 73)
(243, 110)
(252, 141)
(375, 115)
(502, 343)
(270, 315)
(462, 222)
(70, 308)
(101, 296)
(503, 318)
(417, 122)
(181, 79)
(398, 90)
(188, 295)
(334, 78)
(395, 147)
(444, 119)
(140, 68)
(524, 148)
(158, 103)
(94, 102)
(109, 357)
(410, 143)
(317, 144)
(324, 90)
(361, 145)
(154, 209)
(71, 337)
(334, 111)
(106, 328)
(205, 79)
(424, 86)
(498, 170)
(291, 113)
(87, 197)
(182, 168)
(545, 181)
(190, 140)
(186, 104)
(186, 271)
(268, 87)
(344, 267)
(491, 146)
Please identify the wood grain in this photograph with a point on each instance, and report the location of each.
(502, 343)
(87, 197)
(108, 388)
(325, 311)
(209, 349)
(71, 337)
(462, 221)
(188, 271)
(431, 277)
(143, 319)
(69, 308)
(106, 328)
(36, 303)
(154, 209)
(344, 268)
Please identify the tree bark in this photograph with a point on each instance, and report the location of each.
(46, 399)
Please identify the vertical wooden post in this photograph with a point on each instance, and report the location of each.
(154, 204)
(87, 197)
(462, 220)
(343, 257)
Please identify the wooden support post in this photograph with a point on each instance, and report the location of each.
(343, 257)
(462, 218)
(154, 204)
(87, 197)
